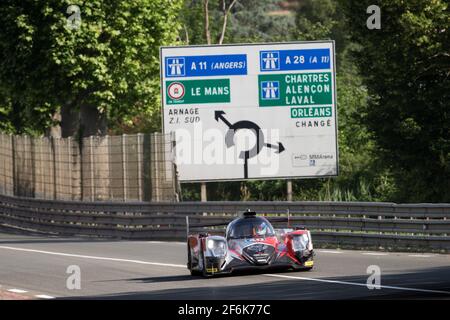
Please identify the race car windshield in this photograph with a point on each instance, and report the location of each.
(250, 228)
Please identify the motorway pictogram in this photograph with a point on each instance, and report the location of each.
(175, 67)
(270, 60)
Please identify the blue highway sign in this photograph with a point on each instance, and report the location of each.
(204, 66)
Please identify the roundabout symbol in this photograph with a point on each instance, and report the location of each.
(249, 125)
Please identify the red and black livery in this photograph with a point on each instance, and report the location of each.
(250, 242)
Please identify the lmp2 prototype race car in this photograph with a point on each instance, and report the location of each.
(250, 242)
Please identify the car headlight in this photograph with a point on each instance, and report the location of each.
(300, 243)
(218, 248)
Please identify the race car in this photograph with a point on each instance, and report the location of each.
(250, 242)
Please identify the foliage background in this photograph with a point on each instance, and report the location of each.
(111, 62)
(393, 84)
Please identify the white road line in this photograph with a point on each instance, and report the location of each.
(356, 284)
(328, 251)
(94, 257)
(44, 296)
(375, 254)
(17, 291)
(40, 296)
(167, 242)
(419, 255)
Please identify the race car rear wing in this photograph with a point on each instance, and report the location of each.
(187, 227)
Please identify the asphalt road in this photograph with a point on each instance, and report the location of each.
(36, 266)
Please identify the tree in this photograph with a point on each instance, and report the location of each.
(317, 19)
(206, 21)
(262, 21)
(235, 21)
(5, 116)
(406, 68)
(104, 71)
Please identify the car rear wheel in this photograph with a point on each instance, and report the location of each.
(196, 273)
(193, 272)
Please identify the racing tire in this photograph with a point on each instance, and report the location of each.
(196, 273)
(193, 272)
(302, 268)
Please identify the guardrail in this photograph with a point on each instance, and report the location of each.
(419, 227)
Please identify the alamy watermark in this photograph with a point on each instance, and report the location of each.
(374, 20)
(74, 19)
(244, 146)
(73, 282)
(374, 280)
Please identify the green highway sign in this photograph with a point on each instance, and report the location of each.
(312, 112)
(198, 91)
(295, 89)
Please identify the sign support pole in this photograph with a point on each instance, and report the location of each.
(289, 190)
(203, 192)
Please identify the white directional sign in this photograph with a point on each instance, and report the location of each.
(255, 111)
